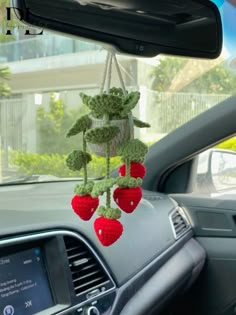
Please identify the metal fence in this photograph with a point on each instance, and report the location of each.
(17, 123)
(164, 111)
(167, 111)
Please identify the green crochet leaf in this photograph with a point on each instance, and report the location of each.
(130, 101)
(101, 187)
(77, 159)
(116, 91)
(109, 213)
(105, 104)
(102, 134)
(133, 150)
(85, 98)
(84, 189)
(94, 115)
(140, 124)
(82, 124)
(129, 182)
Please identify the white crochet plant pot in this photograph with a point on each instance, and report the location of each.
(124, 135)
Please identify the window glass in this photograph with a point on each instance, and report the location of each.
(42, 76)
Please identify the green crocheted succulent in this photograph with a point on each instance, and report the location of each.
(81, 125)
(115, 103)
(128, 181)
(77, 159)
(129, 103)
(112, 105)
(101, 187)
(140, 124)
(102, 134)
(106, 104)
(85, 98)
(84, 189)
(117, 91)
(133, 150)
(109, 213)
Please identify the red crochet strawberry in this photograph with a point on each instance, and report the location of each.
(84, 206)
(107, 230)
(136, 170)
(127, 198)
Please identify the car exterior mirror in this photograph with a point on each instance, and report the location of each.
(216, 171)
(223, 169)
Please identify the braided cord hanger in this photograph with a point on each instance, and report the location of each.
(111, 56)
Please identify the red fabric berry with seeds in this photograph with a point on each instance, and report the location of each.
(84, 206)
(107, 230)
(127, 198)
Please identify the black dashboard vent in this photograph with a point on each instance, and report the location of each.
(179, 222)
(88, 274)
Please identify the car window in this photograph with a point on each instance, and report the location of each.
(42, 75)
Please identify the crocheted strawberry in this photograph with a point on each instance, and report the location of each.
(107, 230)
(84, 206)
(136, 170)
(127, 198)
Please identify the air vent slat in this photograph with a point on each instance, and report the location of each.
(88, 267)
(88, 284)
(80, 262)
(73, 248)
(85, 276)
(103, 284)
(179, 222)
(77, 255)
(86, 272)
(179, 229)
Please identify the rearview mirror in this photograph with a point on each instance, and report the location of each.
(138, 27)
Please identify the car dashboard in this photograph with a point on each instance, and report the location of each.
(52, 263)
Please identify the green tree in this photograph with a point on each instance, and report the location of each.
(4, 70)
(218, 79)
(164, 73)
(5, 24)
(192, 76)
(4, 87)
(53, 125)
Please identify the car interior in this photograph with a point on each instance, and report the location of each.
(177, 253)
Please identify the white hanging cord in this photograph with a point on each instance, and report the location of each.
(119, 74)
(105, 73)
(130, 117)
(109, 72)
(107, 77)
(131, 125)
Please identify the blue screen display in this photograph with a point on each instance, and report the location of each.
(24, 286)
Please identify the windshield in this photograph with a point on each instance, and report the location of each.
(42, 75)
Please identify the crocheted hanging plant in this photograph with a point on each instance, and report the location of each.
(83, 203)
(111, 110)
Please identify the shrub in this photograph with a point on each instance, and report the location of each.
(52, 126)
(229, 144)
(54, 164)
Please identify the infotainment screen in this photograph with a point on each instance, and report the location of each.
(24, 286)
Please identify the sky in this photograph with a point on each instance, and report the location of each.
(227, 10)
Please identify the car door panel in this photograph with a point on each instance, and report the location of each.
(211, 216)
(213, 219)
